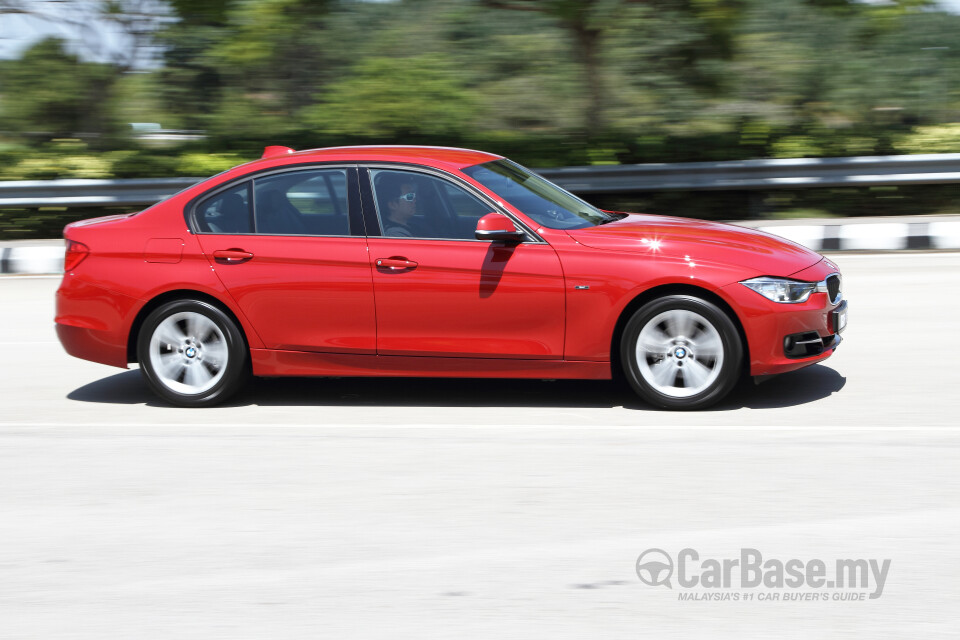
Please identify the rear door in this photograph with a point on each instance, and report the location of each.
(290, 247)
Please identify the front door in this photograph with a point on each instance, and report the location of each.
(441, 292)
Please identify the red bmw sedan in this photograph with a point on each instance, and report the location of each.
(421, 261)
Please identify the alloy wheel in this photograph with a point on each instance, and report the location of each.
(679, 353)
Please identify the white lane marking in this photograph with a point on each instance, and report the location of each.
(485, 427)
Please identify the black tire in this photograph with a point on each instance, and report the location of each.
(661, 379)
(192, 370)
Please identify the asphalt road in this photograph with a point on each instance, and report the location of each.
(359, 508)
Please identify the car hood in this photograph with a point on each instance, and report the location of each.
(701, 241)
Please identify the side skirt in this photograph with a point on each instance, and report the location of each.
(269, 362)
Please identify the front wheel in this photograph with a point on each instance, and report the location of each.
(191, 353)
(681, 352)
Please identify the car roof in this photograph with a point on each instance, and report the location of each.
(440, 157)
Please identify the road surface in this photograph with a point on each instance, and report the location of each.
(362, 508)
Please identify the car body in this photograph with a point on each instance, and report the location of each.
(295, 265)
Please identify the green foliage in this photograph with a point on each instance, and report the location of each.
(49, 92)
(420, 96)
(931, 139)
(207, 164)
(666, 80)
(54, 162)
(136, 98)
(11, 154)
(796, 147)
(556, 83)
(201, 12)
(61, 166)
(138, 164)
(33, 224)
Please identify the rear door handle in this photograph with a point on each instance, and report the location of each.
(395, 263)
(231, 256)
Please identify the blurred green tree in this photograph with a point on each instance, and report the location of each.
(555, 81)
(189, 83)
(589, 23)
(585, 21)
(50, 93)
(414, 97)
(828, 81)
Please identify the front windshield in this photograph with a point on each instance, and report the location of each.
(540, 199)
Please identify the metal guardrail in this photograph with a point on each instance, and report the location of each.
(89, 193)
(791, 173)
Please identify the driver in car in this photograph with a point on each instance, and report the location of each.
(401, 197)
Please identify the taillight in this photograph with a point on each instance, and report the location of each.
(76, 252)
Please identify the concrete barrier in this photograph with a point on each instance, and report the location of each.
(868, 234)
(31, 259)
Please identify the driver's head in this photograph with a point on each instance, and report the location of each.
(400, 193)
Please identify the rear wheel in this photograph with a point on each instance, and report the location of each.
(681, 352)
(191, 353)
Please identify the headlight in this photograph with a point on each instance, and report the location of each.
(781, 289)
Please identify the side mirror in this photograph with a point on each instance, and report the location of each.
(498, 227)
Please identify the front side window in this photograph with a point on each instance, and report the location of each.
(227, 212)
(417, 205)
(311, 202)
(537, 197)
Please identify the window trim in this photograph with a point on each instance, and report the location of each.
(368, 191)
(355, 218)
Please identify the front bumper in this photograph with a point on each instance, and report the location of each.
(768, 324)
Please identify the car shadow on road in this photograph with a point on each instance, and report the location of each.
(788, 390)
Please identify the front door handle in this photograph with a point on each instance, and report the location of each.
(396, 263)
(231, 256)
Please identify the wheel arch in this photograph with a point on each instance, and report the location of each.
(170, 296)
(660, 291)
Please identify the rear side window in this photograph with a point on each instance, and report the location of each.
(227, 212)
(312, 202)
